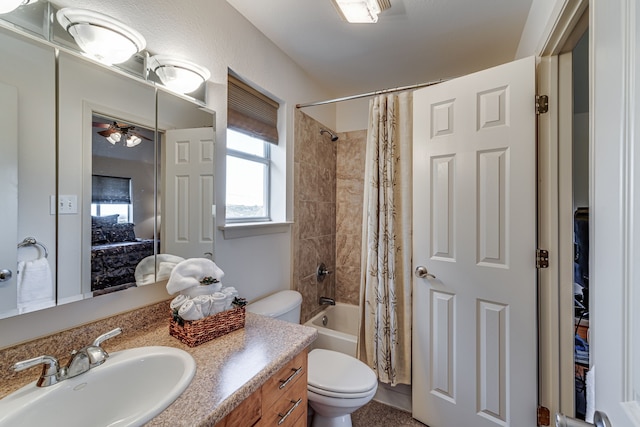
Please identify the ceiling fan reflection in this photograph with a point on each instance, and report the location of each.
(116, 132)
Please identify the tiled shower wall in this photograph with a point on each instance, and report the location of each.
(349, 192)
(328, 189)
(314, 231)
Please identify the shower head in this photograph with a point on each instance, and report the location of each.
(334, 137)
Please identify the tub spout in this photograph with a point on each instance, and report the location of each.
(326, 301)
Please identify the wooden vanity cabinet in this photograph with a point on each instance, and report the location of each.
(282, 396)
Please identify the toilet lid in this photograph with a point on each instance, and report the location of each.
(338, 372)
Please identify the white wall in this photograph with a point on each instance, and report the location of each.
(541, 19)
(213, 34)
(352, 115)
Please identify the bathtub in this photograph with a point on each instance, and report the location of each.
(340, 333)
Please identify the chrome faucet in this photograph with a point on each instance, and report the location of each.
(326, 301)
(81, 361)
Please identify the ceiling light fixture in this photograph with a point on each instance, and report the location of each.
(361, 11)
(133, 140)
(114, 137)
(101, 37)
(7, 6)
(178, 75)
(116, 132)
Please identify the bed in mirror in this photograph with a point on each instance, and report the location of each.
(123, 215)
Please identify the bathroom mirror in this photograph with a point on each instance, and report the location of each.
(182, 223)
(27, 152)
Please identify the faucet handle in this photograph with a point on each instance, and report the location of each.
(95, 353)
(102, 338)
(50, 369)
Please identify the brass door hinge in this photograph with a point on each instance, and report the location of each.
(542, 104)
(544, 418)
(542, 258)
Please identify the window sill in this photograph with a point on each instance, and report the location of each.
(251, 229)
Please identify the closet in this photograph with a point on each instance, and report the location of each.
(580, 190)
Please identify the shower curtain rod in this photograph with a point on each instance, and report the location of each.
(374, 93)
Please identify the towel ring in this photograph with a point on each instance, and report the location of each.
(31, 241)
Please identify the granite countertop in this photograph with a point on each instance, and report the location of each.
(228, 368)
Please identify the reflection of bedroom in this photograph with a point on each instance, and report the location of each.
(122, 206)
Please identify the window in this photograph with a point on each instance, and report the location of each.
(111, 195)
(248, 170)
(251, 132)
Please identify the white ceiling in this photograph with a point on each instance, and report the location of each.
(414, 41)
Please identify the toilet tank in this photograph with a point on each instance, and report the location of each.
(283, 305)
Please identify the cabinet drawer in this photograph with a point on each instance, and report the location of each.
(290, 374)
(245, 414)
(288, 409)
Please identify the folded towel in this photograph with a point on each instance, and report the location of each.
(35, 285)
(190, 272)
(591, 400)
(190, 311)
(145, 273)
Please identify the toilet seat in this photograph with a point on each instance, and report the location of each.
(339, 375)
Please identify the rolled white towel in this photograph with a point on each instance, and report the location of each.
(219, 302)
(190, 311)
(178, 301)
(231, 293)
(230, 290)
(204, 302)
(190, 272)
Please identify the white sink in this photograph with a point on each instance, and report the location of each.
(129, 389)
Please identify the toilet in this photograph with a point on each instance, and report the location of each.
(338, 384)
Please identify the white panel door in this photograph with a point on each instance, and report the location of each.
(188, 199)
(474, 222)
(9, 197)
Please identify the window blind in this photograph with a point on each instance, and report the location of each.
(110, 190)
(251, 112)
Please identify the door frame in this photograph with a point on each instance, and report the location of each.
(555, 304)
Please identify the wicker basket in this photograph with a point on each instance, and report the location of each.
(196, 332)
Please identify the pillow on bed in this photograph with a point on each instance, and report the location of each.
(119, 233)
(100, 221)
(97, 236)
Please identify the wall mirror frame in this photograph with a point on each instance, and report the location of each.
(56, 96)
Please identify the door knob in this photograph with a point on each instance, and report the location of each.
(599, 420)
(423, 273)
(5, 275)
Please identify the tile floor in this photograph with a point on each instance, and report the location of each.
(376, 414)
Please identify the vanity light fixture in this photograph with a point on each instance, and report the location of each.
(178, 75)
(361, 11)
(101, 37)
(7, 6)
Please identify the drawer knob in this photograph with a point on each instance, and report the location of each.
(284, 417)
(292, 376)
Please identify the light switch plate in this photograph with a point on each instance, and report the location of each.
(67, 204)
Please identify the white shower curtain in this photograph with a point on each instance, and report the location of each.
(385, 287)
